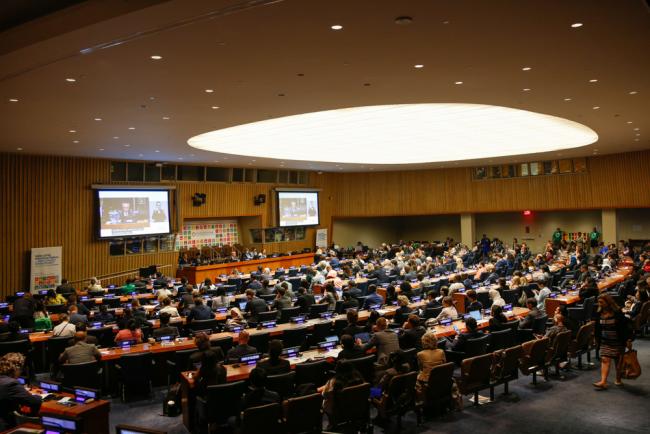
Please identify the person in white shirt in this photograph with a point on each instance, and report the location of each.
(457, 285)
(167, 307)
(94, 285)
(163, 293)
(448, 309)
(496, 298)
(541, 295)
(65, 328)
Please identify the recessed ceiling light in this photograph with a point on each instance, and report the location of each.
(215, 107)
(13, 100)
(72, 131)
(576, 25)
(165, 118)
(115, 137)
(637, 139)
(595, 107)
(633, 92)
(132, 128)
(19, 149)
(636, 129)
(638, 134)
(70, 80)
(98, 119)
(336, 27)
(101, 149)
(156, 57)
(140, 155)
(593, 80)
(127, 146)
(458, 82)
(418, 66)
(157, 150)
(526, 68)
(180, 158)
(463, 130)
(209, 90)
(75, 141)
(629, 122)
(526, 89)
(567, 99)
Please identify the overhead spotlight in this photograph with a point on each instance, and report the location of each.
(70, 80)
(336, 27)
(156, 57)
(576, 25)
(526, 68)
(418, 66)
(403, 20)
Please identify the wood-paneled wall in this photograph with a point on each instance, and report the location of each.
(47, 201)
(612, 181)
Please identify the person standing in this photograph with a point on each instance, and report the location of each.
(613, 335)
(594, 236)
(24, 310)
(557, 238)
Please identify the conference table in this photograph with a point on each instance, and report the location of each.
(199, 273)
(237, 372)
(92, 416)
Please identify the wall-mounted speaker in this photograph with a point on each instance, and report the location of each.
(198, 199)
(260, 199)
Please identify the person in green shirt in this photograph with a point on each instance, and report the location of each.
(594, 236)
(128, 287)
(557, 238)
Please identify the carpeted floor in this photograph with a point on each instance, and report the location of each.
(571, 406)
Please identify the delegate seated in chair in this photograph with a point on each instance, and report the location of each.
(460, 341)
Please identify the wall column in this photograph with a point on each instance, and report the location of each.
(467, 229)
(609, 226)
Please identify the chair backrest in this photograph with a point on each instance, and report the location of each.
(312, 372)
(82, 375)
(182, 359)
(588, 307)
(321, 330)
(204, 324)
(475, 372)
(432, 312)
(538, 352)
(365, 365)
(401, 392)
(476, 347)
(283, 384)
(260, 341)
(294, 337)
(265, 418)
(539, 325)
(21, 346)
(225, 343)
(351, 405)
(510, 363)
(484, 298)
(267, 297)
(502, 339)
(585, 336)
(56, 308)
(105, 336)
(411, 356)
(56, 346)
(440, 382)
(511, 296)
(267, 316)
(136, 368)
(561, 345)
(339, 325)
(304, 414)
(225, 397)
(316, 309)
(288, 313)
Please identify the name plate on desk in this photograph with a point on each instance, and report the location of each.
(268, 324)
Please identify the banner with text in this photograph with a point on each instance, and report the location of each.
(46, 268)
(321, 237)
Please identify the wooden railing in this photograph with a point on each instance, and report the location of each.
(119, 277)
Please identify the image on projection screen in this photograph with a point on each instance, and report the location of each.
(125, 213)
(298, 208)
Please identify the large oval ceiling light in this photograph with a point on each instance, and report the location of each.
(399, 134)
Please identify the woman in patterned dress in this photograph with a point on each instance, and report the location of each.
(612, 334)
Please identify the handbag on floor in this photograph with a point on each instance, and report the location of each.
(629, 365)
(172, 401)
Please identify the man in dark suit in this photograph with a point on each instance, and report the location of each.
(353, 290)
(24, 310)
(460, 342)
(258, 394)
(304, 300)
(373, 298)
(200, 311)
(242, 348)
(353, 327)
(384, 340)
(255, 305)
(529, 320)
(350, 349)
(412, 335)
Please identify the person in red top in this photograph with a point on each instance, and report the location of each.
(131, 332)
